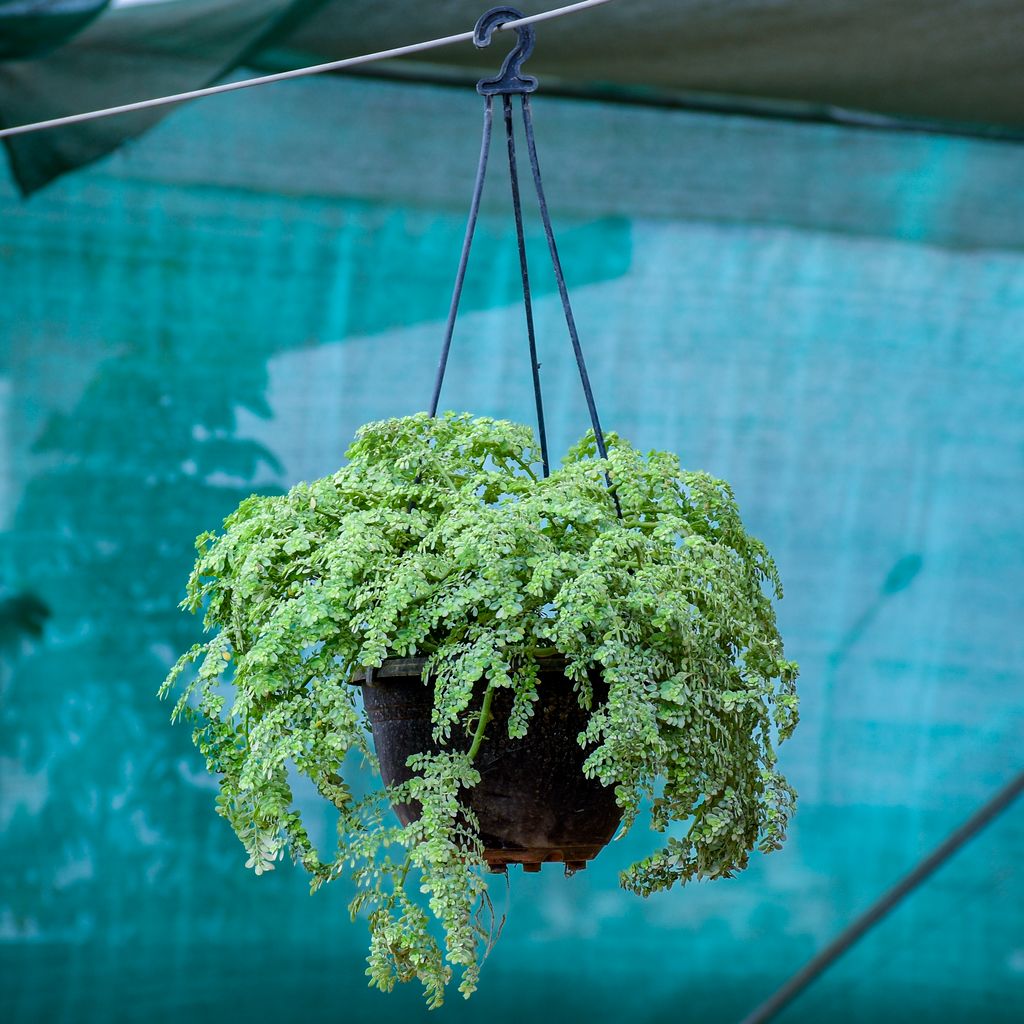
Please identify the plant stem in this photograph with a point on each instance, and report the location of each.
(485, 717)
(525, 465)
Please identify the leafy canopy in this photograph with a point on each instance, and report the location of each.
(439, 539)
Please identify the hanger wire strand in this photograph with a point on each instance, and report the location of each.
(525, 271)
(467, 243)
(563, 291)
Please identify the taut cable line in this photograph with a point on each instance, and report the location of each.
(283, 76)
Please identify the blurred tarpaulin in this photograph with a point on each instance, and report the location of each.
(60, 57)
(945, 66)
(29, 28)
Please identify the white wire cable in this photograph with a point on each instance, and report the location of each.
(282, 76)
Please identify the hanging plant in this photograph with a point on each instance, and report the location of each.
(440, 540)
(526, 658)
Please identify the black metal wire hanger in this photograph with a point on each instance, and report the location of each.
(507, 83)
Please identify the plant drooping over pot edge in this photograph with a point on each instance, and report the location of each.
(439, 539)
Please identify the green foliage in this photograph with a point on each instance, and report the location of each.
(439, 539)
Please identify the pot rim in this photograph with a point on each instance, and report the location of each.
(412, 668)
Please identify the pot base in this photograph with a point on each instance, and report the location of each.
(574, 858)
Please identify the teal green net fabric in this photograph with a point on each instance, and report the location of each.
(830, 319)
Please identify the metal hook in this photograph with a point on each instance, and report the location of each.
(509, 80)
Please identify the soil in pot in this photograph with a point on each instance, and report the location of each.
(533, 802)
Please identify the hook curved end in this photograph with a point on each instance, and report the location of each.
(510, 79)
(490, 20)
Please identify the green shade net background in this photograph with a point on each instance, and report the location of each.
(831, 319)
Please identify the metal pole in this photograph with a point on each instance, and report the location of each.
(854, 931)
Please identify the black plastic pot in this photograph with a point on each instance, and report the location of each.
(533, 802)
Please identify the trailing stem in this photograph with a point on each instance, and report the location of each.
(485, 717)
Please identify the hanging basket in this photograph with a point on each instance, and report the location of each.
(439, 538)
